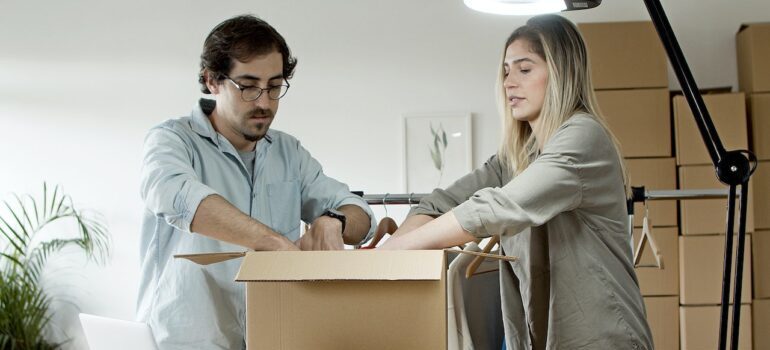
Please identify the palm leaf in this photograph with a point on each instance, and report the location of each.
(13, 260)
(15, 240)
(24, 306)
(34, 208)
(21, 241)
(45, 199)
(24, 213)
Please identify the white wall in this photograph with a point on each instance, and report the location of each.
(82, 80)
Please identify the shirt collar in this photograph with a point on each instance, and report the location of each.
(202, 125)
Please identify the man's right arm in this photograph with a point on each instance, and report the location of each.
(218, 219)
(172, 190)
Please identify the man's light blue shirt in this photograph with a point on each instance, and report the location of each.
(185, 160)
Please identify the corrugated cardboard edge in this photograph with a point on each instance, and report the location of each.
(348, 265)
(210, 258)
(337, 265)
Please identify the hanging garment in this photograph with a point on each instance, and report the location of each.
(474, 317)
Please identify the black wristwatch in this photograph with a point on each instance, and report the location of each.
(334, 213)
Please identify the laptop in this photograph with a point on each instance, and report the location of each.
(105, 333)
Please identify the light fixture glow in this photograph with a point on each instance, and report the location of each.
(517, 7)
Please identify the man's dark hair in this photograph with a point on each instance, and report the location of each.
(241, 38)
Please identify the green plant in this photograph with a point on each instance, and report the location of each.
(24, 250)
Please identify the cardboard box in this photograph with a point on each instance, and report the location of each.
(753, 52)
(654, 174)
(625, 55)
(728, 112)
(663, 318)
(654, 281)
(760, 201)
(760, 315)
(708, 216)
(759, 124)
(640, 119)
(700, 327)
(700, 270)
(760, 253)
(360, 299)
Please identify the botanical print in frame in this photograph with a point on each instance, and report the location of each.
(437, 150)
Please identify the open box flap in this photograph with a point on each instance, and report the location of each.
(210, 258)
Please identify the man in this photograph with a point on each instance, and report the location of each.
(221, 180)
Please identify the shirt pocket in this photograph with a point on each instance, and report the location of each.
(284, 204)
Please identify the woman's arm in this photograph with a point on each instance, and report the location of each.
(445, 231)
(441, 201)
(411, 223)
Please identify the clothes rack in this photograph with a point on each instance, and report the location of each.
(640, 195)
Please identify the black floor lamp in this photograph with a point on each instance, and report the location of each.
(733, 168)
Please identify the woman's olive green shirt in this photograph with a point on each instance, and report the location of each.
(564, 217)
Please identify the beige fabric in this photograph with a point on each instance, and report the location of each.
(574, 285)
(474, 319)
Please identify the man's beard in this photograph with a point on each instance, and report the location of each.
(258, 112)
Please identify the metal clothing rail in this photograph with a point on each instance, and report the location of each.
(392, 198)
(685, 194)
(640, 195)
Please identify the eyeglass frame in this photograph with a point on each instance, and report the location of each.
(261, 90)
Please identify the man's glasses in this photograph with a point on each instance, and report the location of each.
(251, 93)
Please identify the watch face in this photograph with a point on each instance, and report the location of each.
(336, 212)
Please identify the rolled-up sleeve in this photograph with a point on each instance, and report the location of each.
(170, 187)
(441, 201)
(320, 192)
(549, 186)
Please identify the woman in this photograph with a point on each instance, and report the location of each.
(556, 193)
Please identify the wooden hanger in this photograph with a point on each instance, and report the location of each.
(386, 226)
(474, 265)
(647, 237)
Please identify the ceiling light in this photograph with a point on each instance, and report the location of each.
(529, 7)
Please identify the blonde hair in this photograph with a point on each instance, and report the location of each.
(569, 90)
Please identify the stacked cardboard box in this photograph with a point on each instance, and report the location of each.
(700, 259)
(761, 322)
(700, 324)
(630, 78)
(761, 244)
(663, 317)
(753, 57)
(753, 54)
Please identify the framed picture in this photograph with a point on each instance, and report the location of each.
(437, 150)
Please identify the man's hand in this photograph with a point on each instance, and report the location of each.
(276, 242)
(324, 234)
